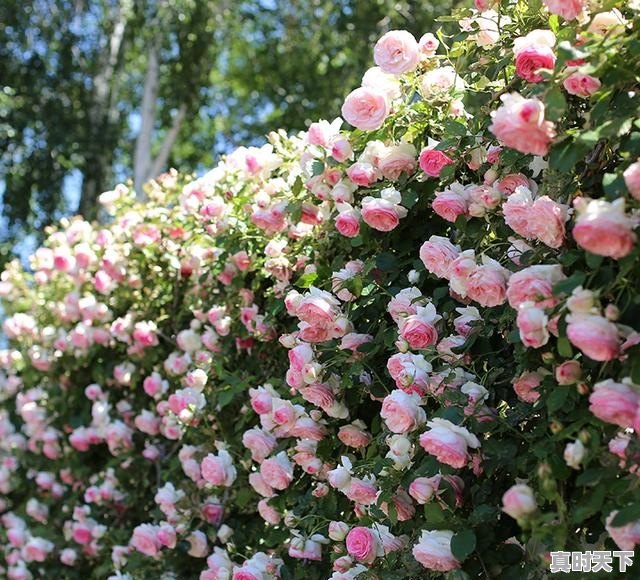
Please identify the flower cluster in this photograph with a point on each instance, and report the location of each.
(393, 351)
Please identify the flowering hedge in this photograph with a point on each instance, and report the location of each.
(406, 350)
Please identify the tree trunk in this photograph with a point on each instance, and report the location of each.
(102, 113)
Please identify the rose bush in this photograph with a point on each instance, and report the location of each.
(405, 350)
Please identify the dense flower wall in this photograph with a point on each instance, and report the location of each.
(405, 350)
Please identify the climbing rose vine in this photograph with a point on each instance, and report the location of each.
(405, 350)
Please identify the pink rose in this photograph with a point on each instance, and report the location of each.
(626, 537)
(365, 108)
(396, 52)
(437, 253)
(397, 160)
(428, 44)
(268, 513)
(354, 435)
(519, 502)
(451, 203)
(534, 52)
(363, 544)
(594, 335)
(487, 284)
(433, 551)
(145, 539)
(259, 442)
(423, 489)
(402, 412)
(383, 213)
(362, 174)
(362, 491)
(615, 403)
(509, 183)
(449, 443)
(581, 85)
(532, 324)
(525, 387)
(520, 124)
(348, 223)
(534, 284)
(418, 329)
(568, 9)
(603, 228)
(632, 179)
(259, 484)
(546, 221)
(410, 372)
(568, 373)
(432, 161)
(277, 471)
(218, 470)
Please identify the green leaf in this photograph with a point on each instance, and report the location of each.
(564, 347)
(463, 544)
(307, 280)
(567, 286)
(455, 128)
(635, 368)
(626, 515)
(317, 167)
(555, 104)
(410, 198)
(434, 514)
(387, 262)
(557, 398)
(593, 261)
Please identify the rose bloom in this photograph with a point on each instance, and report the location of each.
(397, 52)
(437, 253)
(534, 52)
(428, 44)
(626, 537)
(520, 124)
(145, 539)
(487, 284)
(532, 324)
(451, 203)
(348, 223)
(363, 174)
(277, 471)
(632, 179)
(423, 489)
(448, 442)
(615, 403)
(433, 551)
(362, 491)
(581, 85)
(397, 160)
(433, 161)
(534, 284)
(363, 544)
(546, 221)
(354, 435)
(383, 213)
(418, 333)
(603, 228)
(218, 470)
(402, 412)
(611, 23)
(568, 9)
(594, 335)
(509, 183)
(568, 373)
(519, 502)
(365, 108)
(525, 387)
